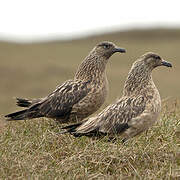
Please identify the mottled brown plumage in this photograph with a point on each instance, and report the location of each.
(74, 99)
(135, 111)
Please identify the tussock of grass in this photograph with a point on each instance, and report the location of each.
(34, 150)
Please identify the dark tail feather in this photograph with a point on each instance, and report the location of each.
(20, 115)
(71, 128)
(23, 102)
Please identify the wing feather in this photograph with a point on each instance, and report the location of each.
(60, 102)
(114, 119)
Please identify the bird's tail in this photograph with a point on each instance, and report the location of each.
(90, 132)
(71, 128)
(23, 102)
(30, 113)
(20, 115)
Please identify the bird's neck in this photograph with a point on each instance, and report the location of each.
(92, 68)
(138, 81)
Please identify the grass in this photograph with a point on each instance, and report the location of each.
(34, 150)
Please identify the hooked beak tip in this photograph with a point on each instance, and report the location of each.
(121, 50)
(167, 64)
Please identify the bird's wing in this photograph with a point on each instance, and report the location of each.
(60, 102)
(114, 119)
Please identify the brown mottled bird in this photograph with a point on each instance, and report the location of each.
(135, 111)
(75, 99)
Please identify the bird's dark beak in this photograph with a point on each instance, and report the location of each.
(118, 49)
(165, 63)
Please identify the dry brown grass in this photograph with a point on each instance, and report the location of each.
(33, 150)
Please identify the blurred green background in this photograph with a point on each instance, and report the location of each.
(34, 70)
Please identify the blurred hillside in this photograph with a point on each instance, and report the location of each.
(34, 70)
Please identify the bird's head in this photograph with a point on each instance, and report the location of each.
(94, 64)
(107, 49)
(151, 60)
(140, 73)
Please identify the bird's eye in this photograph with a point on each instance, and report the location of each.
(106, 46)
(157, 57)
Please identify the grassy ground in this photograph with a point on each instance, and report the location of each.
(33, 150)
